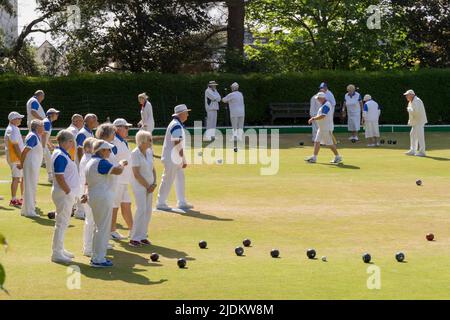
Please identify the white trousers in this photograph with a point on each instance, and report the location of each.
(48, 162)
(417, 138)
(143, 213)
(211, 123)
(172, 173)
(354, 121)
(89, 229)
(101, 206)
(314, 130)
(64, 204)
(30, 182)
(238, 126)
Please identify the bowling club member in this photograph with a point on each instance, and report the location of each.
(371, 114)
(75, 127)
(330, 98)
(174, 161)
(235, 101)
(122, 199)
(13, 149)
(417, 121)
(89, 225)
(34, 108)
(143, 182)
(51, 116)
(30, 160)
(147, 121)
(314, 107)
(65, 189)
(353, 106)
(90, 123)
(324, 136)
(212, 99)
(99, 178)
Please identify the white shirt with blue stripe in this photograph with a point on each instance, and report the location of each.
(174, 133)
(64, 165)
(352, 102)
(122, 152)
(326, 123)
(33, 104)
(82, 135)
(99, 179)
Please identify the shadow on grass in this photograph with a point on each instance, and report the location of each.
(438, 158)
(204, 216)
(341, 166)
(7, 209)
(124, 269)
(162, 251)
(45, 184)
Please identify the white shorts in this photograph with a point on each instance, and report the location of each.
(372, 129)
(15, 172)
(122, 195)
(325, 137)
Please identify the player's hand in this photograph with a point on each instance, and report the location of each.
(310, 121)
(184, 165)
(19, 166)
(151, 188)
(84, 198)
(123, 163)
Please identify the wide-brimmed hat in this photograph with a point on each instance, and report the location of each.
(180, 109)
(212, 83)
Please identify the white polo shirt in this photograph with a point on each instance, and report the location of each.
(12, 137)
(63, 165)
(99, 179)
(82, 135)
(417, 114)
(371, 111)
(48, 130)
(122, 152)
(235, 101)
(330, 98)
(314, 106)
(212, 99)
(353, 102)
(175, 132)
(147, 116)
(33, 104)
(145, 164)
(326, 123)
(83, 163)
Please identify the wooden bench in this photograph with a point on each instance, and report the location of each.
(297, 110)
(289, 111)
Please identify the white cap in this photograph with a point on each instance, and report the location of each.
(320, 95)
(15, 115)
(409, 92)
(323, 85)
(52, 110)
(212, 83)
(121, 123)
(367, 97)
(235, 85)
(104, 145)
(180, 109)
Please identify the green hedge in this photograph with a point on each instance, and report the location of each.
(115, 95)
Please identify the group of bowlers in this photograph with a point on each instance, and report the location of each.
(90, 174)
(365, 111)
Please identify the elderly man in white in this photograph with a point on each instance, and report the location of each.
(64, 191)
(417, 121)
(212, 99)
(30, 160)
(174, 161)
(34, 108)
(52, 116)
(147, 122)
(75, 127)
(235, 100)
(352, 106)
(314, 106)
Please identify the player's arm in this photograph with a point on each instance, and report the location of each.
(62, 183)
(36, 115)
(44, 137)
(23, 155)
(34, 110)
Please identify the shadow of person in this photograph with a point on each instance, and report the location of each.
(162, 251)
(437, 158)
(47, 184)
(200, 215)
(7, 209)
(124, 269)
(341, 166)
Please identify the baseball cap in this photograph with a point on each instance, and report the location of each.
(15, 115)
(120, 122)
(320, 95)
(104, 145)
(180, 109)
(409, 92)
(212, 83)
(235, 85)
(323, 85)
(52, 110)
(367, 97)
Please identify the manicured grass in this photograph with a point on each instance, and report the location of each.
(371, 203)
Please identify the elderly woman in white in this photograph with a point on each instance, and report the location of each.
(65, 189)
(235, 101)
(143, 183)
(353, 106)
(147, 122)
(99, 178)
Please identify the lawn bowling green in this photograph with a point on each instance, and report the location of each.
(369, 204)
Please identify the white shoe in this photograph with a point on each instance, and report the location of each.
(163, 207)
(117, 236)
(185, 206)
(31, 215)
(61, 259)
(420, 154)
(68, 254)
(336, 160)
(311, 159)
(410, 153)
